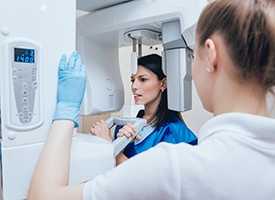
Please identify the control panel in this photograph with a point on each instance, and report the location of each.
(24, 84)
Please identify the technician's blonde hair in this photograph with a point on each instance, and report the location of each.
(248, 30)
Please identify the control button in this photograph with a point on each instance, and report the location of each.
(25, 92)
(25, 121)
(25, 100)
(34, 84)
(30, 114)
(109, 85)
(25, 85)
(14, 70)
(21, 115)
(11, 135)
(25, 109)
(5, 31)
(15, 78)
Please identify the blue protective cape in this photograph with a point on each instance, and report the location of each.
(173, 132)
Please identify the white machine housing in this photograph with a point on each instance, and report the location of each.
(101, 33)
(49, 28)
(38, 32)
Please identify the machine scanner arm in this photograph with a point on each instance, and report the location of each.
(177, 60)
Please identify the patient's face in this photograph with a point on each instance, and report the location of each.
(146, 87)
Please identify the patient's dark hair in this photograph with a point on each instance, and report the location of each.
(163, 115)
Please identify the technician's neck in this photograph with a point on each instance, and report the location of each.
(242, 99)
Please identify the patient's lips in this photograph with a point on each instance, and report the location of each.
(137, 96)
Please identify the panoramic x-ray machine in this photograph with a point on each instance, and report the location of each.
(34, 35)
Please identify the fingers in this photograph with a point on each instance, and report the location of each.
(73, 59)
(128, 130)
(62, 62)
(96, 129)
(78, 62)
(99, 126)
(138, 137)
(74, 62)
(101, 129)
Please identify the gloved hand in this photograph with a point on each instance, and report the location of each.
(71, 88)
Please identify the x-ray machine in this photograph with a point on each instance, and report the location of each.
(34, 35)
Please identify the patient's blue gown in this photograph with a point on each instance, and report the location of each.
(173, 132)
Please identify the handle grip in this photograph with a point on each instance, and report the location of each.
(121, 142)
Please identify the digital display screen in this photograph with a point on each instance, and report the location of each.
(24, 55)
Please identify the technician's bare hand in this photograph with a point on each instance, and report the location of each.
(128, 130)
(101, 129)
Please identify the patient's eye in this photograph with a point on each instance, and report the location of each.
(143, 79)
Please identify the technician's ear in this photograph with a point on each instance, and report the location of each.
(211, 55)
(163, 84)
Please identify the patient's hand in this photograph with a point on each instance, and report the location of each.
(128, 130)
(101, 129)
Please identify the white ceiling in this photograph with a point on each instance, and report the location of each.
(92, 5)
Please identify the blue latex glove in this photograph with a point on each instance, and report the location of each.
(71, 88)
